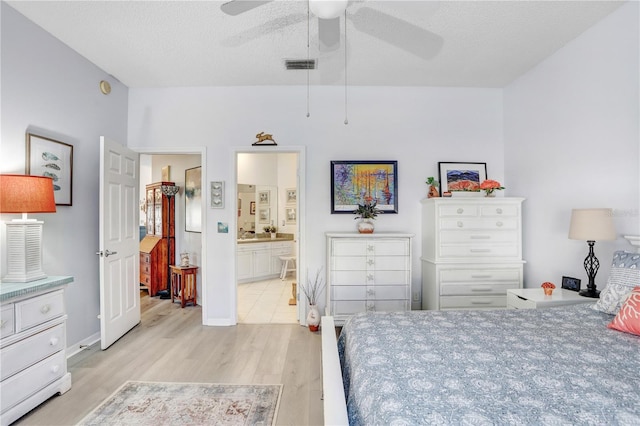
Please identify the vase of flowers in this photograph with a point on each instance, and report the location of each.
(271, 230)
(312, 291)
(433, 187)
(490, 187)
(367, 212)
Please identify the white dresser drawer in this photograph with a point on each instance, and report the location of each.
(472, 302)
(378, 263)
(480, 223)
(7, 323)
(20, 386)
(377, 292)
(476, 251)
(387, 247)
(500, 210)
(478, 237)
(478, 289)
(26, 352)
(38, 310)
(480, 275)
(350, 278)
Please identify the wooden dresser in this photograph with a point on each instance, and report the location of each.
(367, 272)
(471, 252)
(33, 346)
(154, 260)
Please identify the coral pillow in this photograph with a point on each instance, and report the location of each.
(628, 318)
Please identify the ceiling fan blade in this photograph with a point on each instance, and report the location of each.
(236, 7)
(328, 34)
(397, 32)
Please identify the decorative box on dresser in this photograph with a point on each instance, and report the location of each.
(471, 252)
(154, 265)
(33, 346)
(367, 272)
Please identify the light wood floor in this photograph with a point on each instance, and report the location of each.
(171, 345)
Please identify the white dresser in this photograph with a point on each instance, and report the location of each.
(33, 345)
(367, 272)
(471, 252)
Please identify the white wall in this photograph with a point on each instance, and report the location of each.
(572, 141)
(50, 90)
(415, 126)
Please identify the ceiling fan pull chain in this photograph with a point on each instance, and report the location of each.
(346, 120)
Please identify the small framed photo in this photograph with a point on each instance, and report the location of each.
(263, 197)
(462, 179)
(53, 159)
(571, 283)
(291, 215)
(292, 195)
(263, 215)
(252, 207)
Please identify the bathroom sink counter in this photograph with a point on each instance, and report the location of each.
(284, 237)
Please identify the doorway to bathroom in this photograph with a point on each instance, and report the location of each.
(269, 238)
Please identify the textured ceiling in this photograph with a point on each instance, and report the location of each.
(390, 43)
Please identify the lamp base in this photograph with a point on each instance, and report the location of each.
(590, 293)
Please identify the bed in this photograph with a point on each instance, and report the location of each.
(560, 365)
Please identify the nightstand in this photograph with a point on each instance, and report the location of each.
(534, 298)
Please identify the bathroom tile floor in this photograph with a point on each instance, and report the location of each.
(266, 302)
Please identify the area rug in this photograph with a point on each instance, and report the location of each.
(158, 403)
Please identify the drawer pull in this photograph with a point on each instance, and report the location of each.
(480, 237)
(55, 368)
(3, 323)
(480, 289)
(371, 292)
(53, 341)
(460, 210)
(499, 224)
(370, 262)
(370, 247)
(480, 250)
(481, 276)
(521, 298)
(460, 224)
(45, 308)
(481, 302)
(370, 277)
(499, 210)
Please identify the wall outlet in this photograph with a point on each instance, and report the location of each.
(416, 296)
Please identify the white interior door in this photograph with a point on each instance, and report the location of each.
(119, 241)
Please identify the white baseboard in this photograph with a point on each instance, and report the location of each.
(80, 346)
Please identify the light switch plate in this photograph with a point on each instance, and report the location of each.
(217, 194)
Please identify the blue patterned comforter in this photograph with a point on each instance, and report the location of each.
(517, 367)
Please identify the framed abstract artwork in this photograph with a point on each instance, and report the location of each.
(54, 159)
(355, 182)
(462, 179)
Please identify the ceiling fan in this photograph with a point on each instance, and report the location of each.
(397, 32)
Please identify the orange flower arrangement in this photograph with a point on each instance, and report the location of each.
(548, 288)
(489, 186)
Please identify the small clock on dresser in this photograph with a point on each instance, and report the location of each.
(571, 283)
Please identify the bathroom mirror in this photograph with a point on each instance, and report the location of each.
(257, 208)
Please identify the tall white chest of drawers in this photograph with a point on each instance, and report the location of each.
(367, 272)
(471, 252)
(33, 345)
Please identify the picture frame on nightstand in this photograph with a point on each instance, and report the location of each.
(571, 283)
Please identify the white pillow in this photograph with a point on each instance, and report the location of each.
(624, 276)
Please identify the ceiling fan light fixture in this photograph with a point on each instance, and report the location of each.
(328, 9)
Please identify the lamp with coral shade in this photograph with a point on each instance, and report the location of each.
(24, 194)
(591, 225)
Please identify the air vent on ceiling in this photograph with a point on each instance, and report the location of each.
(300, 64)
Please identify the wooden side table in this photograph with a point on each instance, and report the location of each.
(534, 298)
(183, 284)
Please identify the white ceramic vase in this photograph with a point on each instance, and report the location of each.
(313, 318)
(365, 226)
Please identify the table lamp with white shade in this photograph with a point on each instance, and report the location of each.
(591, 225)
(25, 194)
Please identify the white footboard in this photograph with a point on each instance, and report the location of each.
(335, 405)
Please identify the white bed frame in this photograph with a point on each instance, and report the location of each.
(335, 404)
